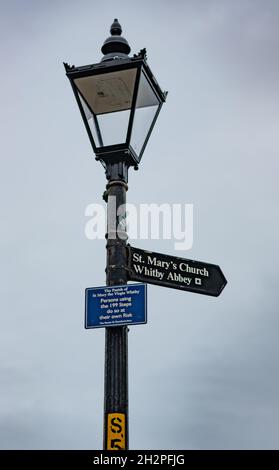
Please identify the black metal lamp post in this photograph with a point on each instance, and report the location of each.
(119, 100)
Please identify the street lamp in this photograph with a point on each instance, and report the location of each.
(119, 100)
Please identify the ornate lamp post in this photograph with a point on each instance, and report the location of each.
(119, 100)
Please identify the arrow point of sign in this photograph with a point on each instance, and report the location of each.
(223, 282)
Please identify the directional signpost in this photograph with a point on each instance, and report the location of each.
(115, 306)
(174, 272)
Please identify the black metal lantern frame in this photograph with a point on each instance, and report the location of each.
(123, 92)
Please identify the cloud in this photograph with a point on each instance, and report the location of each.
(206, 376)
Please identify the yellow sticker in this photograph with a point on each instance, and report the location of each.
(116, 431)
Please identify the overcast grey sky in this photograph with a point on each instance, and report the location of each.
(204, 371)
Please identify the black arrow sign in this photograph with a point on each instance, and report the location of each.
(178, 273)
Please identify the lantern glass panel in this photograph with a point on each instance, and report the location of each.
(145, 111)
(106, 100)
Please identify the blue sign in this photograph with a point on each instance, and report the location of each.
(115, 305)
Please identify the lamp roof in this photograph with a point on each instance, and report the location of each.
(115, 45)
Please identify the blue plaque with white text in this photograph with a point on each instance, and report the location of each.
(115, 305)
